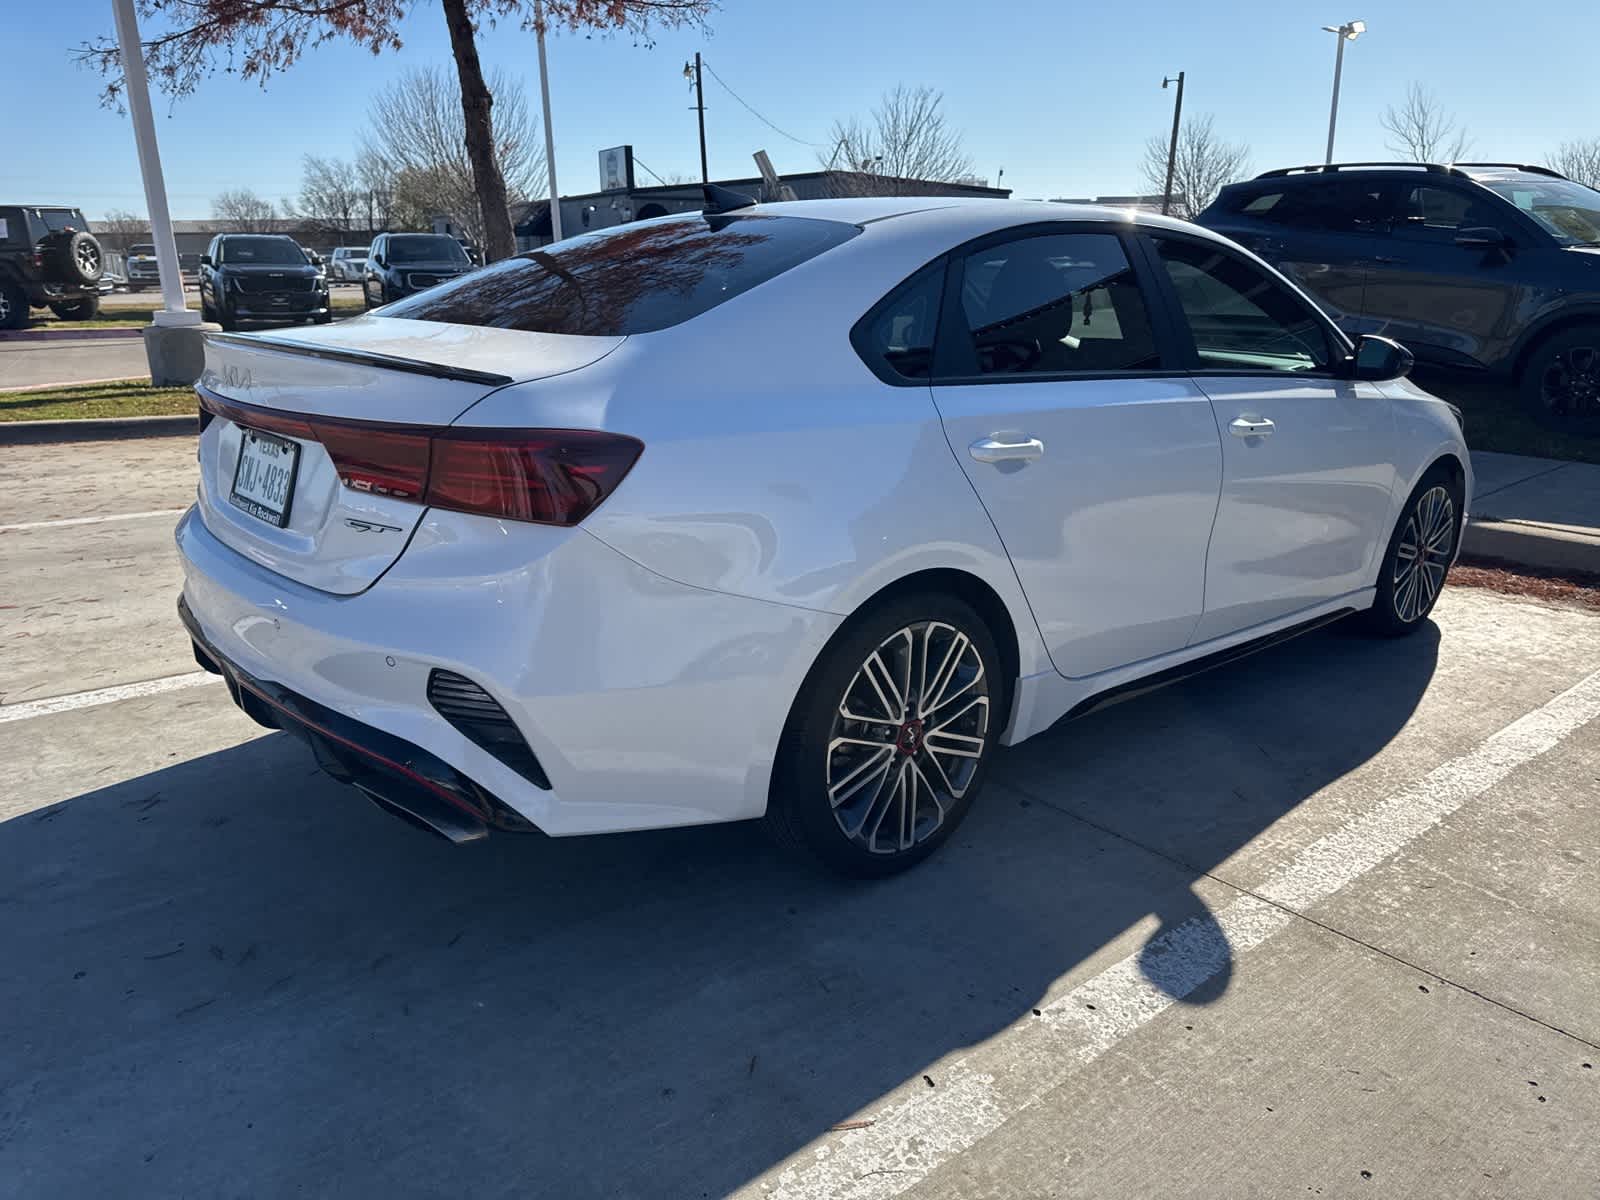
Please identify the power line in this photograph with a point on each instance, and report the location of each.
(784, 132)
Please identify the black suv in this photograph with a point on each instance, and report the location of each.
(48, 259)
(1489, 268)
(399, 264)
(261, 277)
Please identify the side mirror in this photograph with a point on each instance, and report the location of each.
(1379, 359)
(1482, 237)
(316, 259)
(205, 261)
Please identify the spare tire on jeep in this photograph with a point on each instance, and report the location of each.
(74, 257)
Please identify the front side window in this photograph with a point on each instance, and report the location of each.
(899, 336)
(1052, 304)
(1434, 214)
(1241, 318)
(636, 278)
(275, 251)
(1567, 210)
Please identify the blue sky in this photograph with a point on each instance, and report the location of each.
(1062, 97)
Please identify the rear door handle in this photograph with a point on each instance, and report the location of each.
(1248, 427)
(992, 449)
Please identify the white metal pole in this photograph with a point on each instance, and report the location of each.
(1333, 112)
(549, 134)
(137, 90)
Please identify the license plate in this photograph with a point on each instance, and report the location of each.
(263, 482)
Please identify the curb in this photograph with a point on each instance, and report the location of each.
(1530, 544)
(97, 429)
(67, 335)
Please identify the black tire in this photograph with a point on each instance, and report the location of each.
(322, 318)
(75, 258)
(13, 306)
(1406, 595)
(819, 739)
(85, 309)
(1560, 382)
(207, 313)
(225, 317)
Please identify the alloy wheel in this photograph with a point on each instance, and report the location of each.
(1423, 554)
(1571, 382)
(88, 259)
(908, 737)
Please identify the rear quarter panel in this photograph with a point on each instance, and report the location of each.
(777, 466)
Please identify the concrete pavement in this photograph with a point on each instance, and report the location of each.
(1536, 512)
(1322, 922)
(51, 362)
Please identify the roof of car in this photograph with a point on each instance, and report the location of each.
(968, 216)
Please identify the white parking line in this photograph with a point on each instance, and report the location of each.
(108, 695)
(63, 521)
(1012, 1072)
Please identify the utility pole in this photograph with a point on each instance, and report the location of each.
(1172, 150)
(700, 107)
(549, 134)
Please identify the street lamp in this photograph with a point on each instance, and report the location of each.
(1172, 150)
(1348, 32)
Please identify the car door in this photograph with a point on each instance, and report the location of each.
(1307, 457)
(1448, 304)
(1098, 464)
(369, 273)
(1323, 232)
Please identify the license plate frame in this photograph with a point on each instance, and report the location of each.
(258, 506)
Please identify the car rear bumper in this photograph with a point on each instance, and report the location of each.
(646, 703)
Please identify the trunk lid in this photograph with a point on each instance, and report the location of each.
(409, 376)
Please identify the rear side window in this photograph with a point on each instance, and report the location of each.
(1332, 206)
(1054, 304)
(897, 340)
(637, 279)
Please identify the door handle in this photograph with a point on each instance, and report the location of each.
(993, 450)
(1248, 427)
(1386, 259)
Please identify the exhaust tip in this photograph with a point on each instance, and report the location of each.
(422, 812)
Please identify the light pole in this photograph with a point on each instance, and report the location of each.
(549, 134)
(1172, 150)
(1348, 32)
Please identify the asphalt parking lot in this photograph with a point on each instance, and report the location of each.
(1325, 922)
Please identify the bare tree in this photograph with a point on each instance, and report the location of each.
(256, 39)
(1579, 161)
(242, 211)
(1204, 163)
(330, 195)
(1422, 131)
(375, 178)
(905, 139)
(416, 131)
(119, 229)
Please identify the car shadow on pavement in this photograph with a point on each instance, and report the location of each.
(235, 977)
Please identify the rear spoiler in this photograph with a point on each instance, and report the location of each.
(391, 362)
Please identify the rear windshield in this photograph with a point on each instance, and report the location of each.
(634, 279)
(426, 248)
(277, 250)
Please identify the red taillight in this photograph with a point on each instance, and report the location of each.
(379, 460)
(549, 476)
(553, 476)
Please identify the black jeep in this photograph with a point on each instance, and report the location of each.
(48, 259)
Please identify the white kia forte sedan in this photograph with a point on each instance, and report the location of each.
(793, 511)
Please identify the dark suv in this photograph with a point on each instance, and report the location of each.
(48, 259)
(1489, 268)
(261, 277)
(399, 264)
